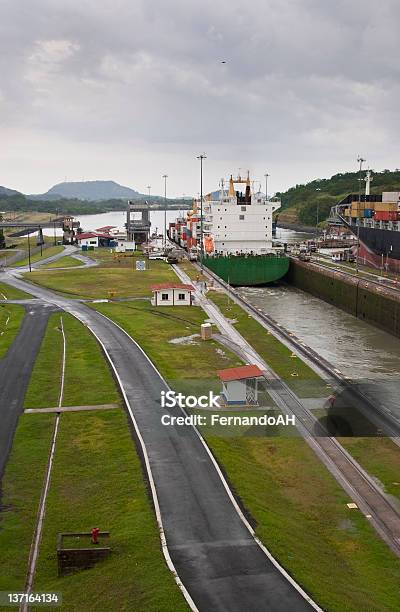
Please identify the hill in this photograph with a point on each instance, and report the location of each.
(94, 191)
(302, 204)
(4, 191)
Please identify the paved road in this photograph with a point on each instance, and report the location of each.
(15, 372)
(215, 555)
(69, 250)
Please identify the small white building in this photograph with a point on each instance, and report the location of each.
(240, 385)
(124, 245)
(172, 294)
(89, 239)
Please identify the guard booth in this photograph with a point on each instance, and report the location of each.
(240, 385)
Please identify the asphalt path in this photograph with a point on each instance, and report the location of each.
(214, 553)
(15, 372)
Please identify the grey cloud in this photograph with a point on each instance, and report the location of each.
(299, 73)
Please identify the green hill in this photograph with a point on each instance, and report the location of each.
(303, 203)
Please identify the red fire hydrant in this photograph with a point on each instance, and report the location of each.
(95, 535)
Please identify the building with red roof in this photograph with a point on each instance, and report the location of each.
(94, 239)
(240, 385)
(106, 229)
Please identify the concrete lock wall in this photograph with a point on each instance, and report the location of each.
(358, 297)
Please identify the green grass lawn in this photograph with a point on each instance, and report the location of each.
(11, 316)
(97, 282)
(299, 508)
(44, 386)
(11, 293)
(48, 252)
(193, 273)
(88, 379)
(302, 518)
(299, 376)
(380, 457)
(98, 481)
(19, 497)
(186, 366)
(64, 262)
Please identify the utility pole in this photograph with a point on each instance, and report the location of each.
(201, 157)
(29, 252)
(360, 161)
(266, 185)
(165, 176)
(148, 235)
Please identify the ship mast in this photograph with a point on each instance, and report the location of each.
(368, 180)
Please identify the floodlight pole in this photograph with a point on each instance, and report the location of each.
(29, 252)
(165, 176)
(201, 157)
(360, 161)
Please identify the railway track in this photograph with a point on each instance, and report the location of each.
(383, 515)
(378, 415)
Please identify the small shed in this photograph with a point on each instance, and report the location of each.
(240, 385)
(172, 294)
(93, 239)
(124, 245)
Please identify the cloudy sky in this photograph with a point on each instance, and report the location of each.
(132, 89)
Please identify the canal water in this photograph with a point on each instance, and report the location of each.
(118, 218)
(359, 350)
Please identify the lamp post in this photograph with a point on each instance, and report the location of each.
(360, 161)
(29, 252)
(165, 176)
(201, 157)
(266, 185)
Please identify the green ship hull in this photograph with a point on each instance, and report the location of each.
(248, 271)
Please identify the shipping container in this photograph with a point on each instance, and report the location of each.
(386, 206)
(368, 213)
(390, 196)
(386, 215)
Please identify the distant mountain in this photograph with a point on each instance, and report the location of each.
(89, 191)
(4, 191)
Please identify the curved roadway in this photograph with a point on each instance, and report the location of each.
(214, 553)
(15, 372)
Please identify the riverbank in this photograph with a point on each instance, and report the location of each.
(297, 227)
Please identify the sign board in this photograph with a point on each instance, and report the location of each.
(140, 265)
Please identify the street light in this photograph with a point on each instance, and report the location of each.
(29, 252)
(165, 176)
(201, 157)
(360, 161)
(266, 185)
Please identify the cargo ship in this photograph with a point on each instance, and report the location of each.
(375, 220)
(237, 235)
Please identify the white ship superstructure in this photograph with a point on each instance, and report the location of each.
(238, 223)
